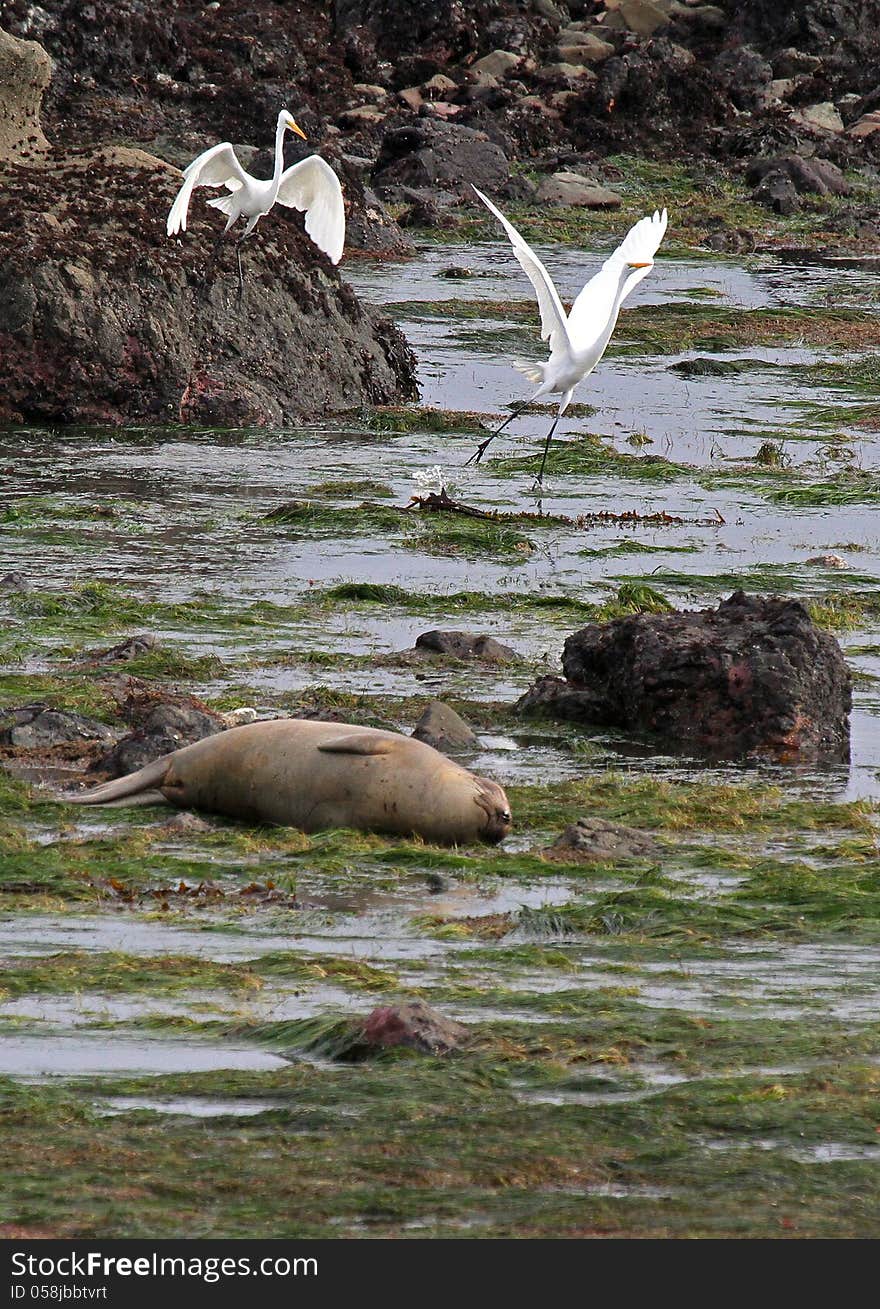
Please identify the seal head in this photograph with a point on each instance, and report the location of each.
(492, 800)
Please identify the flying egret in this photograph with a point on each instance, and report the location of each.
(310, 186)
(579, 340)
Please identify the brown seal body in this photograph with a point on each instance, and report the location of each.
(313, 775)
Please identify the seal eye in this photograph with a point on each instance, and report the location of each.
(505, 815)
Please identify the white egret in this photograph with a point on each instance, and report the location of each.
(311, 186)
(578, 340)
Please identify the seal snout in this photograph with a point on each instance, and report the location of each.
(492, 800)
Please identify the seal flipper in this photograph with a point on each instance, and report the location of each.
(146, 781)
(357, 744)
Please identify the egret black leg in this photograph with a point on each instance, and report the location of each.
(539, 480)
(240, 273)
(483, 446)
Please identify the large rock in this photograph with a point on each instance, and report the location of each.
(596, 840)
(103, 319)
(444, 729)
(576, 190)
(40, 727)
(466, 645)
(25, 70)
(414, 1024)
(822, 117)
(754, 677)
(812, 176)
(434, 153)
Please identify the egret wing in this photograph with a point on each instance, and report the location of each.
(218, 166)
(553, 322)
(312, 187)
(591, 310)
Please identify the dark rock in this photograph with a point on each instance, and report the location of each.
(745, 74)
(435, 153)
(39, 727)
(702, 367)
(125, 650)
(754, 677)
(595, 840)
(160, 727)
(466, 645)
(777, 192)
(14, 583)
(815, 176)
(413, 1024)
(444, 729)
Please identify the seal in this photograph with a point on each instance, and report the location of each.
(300, 773)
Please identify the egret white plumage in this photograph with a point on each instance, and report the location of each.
(578, 340)
(311, 186)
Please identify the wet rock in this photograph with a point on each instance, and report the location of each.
(583, 48)
(466, 645)
(777, 192)
(414, 1024)
(444, 729)
(431, 153)
(577, 190)
(828, 561)
(439, 86)
(865, 126)
(640, 16)
(130, 648)
(40, 727)
(754, 677)
(595, 840)
(25, 70)
(812, 176)
(554, 74)
(819, 118)
(497, 64)
(703, 367)
(14, 583)
(412, 97)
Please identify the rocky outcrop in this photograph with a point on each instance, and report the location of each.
(103, 319)
(754, 677)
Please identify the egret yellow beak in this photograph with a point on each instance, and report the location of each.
(647, 265)
(295, 127)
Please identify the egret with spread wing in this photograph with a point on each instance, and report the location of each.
(310, 186)
(578, 340)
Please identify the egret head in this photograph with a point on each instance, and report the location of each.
(287, 120)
